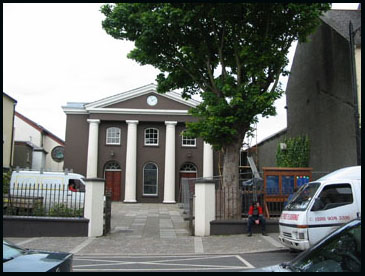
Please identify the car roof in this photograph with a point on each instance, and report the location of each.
(49, 173)
(353, 173)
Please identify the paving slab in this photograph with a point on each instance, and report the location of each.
(152, 229)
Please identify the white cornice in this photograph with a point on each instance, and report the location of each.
(137, 111)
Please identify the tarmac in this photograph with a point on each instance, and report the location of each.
(152, 229)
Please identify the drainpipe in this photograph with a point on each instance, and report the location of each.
(354, 92)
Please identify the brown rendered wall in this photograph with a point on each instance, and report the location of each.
(77, 135)
(141, 102)
(77, 130)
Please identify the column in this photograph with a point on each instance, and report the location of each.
(207, 161)
(169, 186)
(131, 162)
(92, 151)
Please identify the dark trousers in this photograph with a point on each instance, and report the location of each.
(251, 221)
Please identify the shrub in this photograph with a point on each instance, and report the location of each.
(296, 153)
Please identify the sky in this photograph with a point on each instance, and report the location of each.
(57, 53)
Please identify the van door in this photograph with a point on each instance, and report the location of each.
(334, 206)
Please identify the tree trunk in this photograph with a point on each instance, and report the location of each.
(232, 209)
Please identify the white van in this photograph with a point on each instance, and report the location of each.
(320, 207)
(52, 187)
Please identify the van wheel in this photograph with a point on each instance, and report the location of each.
(292, 250)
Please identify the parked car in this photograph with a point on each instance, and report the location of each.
(338, 252)
(16, 259)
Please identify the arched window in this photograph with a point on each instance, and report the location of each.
(112, 166)
(188, 167)
(113, 136)
(151, 137)
(150, 179)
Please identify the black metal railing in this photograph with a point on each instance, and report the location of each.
(54, 200)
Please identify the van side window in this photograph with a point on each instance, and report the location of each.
(76, 185)
(336, 195)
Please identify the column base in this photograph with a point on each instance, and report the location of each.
(169, 202)
(130, 201)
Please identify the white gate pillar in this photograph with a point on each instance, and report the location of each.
(204, 207)
(94, 205)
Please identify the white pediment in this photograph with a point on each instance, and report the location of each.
(147, 89)
(105, 105)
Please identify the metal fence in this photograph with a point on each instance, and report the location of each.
(234, 202)
(54, 200)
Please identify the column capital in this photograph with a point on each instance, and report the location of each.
(170, 123)
(95, 121)
(135, 122)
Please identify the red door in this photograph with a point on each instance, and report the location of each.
(112, 179)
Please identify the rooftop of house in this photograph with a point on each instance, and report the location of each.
(339, 20)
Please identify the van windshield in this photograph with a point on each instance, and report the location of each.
(303, 197)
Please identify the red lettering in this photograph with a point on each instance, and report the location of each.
(320, 218)
(290, 216)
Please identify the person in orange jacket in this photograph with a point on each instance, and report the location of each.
(255, 216)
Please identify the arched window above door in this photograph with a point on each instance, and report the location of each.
(112, 165)
(188, 167)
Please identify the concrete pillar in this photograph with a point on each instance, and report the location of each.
(94, 205)
(169, 187)
(207, 161)
(92, 151)
(131, 163)
(204, 208)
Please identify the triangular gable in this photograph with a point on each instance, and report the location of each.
(117, 100)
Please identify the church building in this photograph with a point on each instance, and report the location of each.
(135, 141)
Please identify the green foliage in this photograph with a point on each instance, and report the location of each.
(231, 54)
(61, 210)
(6, 181)
(296, 154)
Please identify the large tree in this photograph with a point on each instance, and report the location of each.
(231, 54)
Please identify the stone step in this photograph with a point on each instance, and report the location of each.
(228, 227)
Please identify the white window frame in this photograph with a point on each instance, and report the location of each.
(112, 137)
(185, 139)
(148, 139)
(156, 194)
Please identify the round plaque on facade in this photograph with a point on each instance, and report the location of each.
(57, 153)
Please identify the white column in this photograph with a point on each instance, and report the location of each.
(92, 151)
(169, 186)
(94, 205)
(207, 161)
(204, 208)
(131, 162)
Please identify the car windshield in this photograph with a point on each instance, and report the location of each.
(340, 253)
(10, 252)
(303, 197)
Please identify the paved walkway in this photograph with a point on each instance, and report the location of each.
(152, 229)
